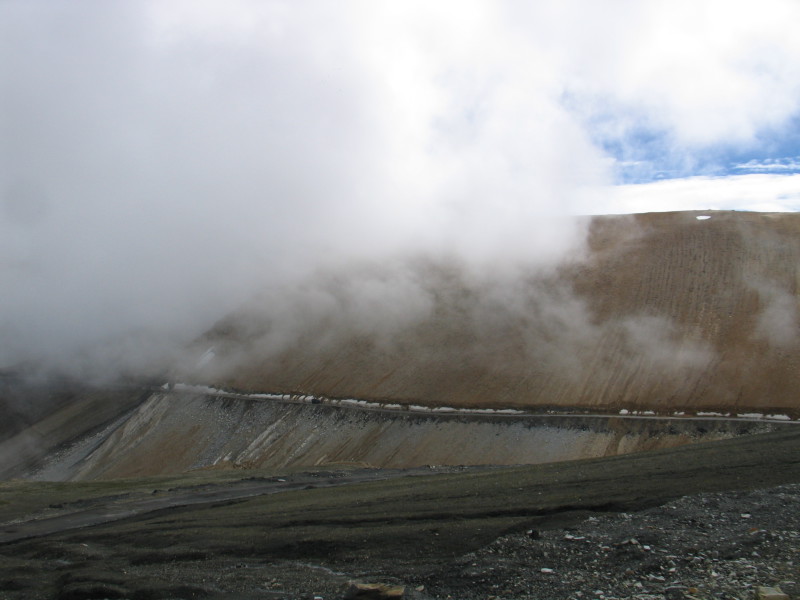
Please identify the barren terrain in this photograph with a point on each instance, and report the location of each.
(625, 424)
(454, 533)
(659, 312)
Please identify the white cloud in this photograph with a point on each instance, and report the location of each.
(164, 159)
(777, 319)
(757, 192)
(705, 72)
(781, 165)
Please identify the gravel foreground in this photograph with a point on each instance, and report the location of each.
(709, 521)
(705, 546)
(720, 546)
(709, 546)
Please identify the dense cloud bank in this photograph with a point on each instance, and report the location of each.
(164, 161)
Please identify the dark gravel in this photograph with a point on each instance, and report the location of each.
(707, 546)
(711, 521)
(720, 545)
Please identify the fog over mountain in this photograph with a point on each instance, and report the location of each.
(666, 312)
(164, 163)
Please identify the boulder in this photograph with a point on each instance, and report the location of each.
(374, 591)
(770, 593)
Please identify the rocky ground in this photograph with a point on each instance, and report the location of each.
(710, 546)
(707, 521)
(721, 545)
(706, 546)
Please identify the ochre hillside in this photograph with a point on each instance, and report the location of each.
(663, 312)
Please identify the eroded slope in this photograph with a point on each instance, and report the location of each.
(180, 432)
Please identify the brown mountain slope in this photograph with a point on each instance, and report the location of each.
(659, 312)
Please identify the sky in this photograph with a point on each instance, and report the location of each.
(160, 161)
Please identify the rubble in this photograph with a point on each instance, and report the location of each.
(695, 548)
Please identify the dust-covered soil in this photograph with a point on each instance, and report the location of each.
(709, 520)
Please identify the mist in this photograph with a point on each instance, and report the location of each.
(163, 163)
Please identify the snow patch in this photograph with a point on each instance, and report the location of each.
(264, 396)
(702, 217)
(354, 402)
(779, 417)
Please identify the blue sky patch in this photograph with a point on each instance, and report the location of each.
(643, 154)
